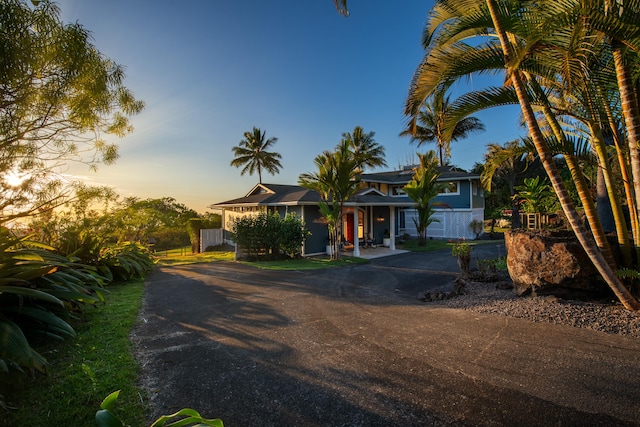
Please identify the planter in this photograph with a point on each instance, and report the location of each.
(386, 242)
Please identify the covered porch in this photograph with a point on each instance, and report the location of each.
(369, 219)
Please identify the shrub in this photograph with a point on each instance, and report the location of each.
(269, 235)
(38, 289)
(125, 261)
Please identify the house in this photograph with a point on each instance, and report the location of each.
(380, 205)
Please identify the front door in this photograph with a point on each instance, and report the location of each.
(349, 227)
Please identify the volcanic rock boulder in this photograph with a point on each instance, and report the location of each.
(550, 262)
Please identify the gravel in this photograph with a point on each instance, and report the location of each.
(609, 317)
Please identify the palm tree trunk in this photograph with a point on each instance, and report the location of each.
(622, 230)
(580, 182)
(623, 162)
(546, 159)
(631, 118)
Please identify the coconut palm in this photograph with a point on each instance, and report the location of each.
(431, 123)
(251, 154)
(368, 153)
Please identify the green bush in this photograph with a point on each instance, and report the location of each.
(125, 261)
(269, 235)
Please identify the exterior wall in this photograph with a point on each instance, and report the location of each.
(477, 195)
(319, 239)
(461, 200)
(452, 224)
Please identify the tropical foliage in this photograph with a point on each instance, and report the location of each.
(568, 65)
(96, 217)
(422, 189)
(251, 154)
(430, 125)
(269, 235)
(536, 195)
(105, 416)
(367, 152)
(59, 95)
(41, 289)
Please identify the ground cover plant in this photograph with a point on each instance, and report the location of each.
(85, 369)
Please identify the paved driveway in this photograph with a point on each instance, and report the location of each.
(352, 346)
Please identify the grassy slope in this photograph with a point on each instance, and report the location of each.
(84, 370)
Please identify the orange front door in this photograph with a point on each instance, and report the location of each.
(349, 231)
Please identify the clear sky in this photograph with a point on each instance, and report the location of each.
(209, 70)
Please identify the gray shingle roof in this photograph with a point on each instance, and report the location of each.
(277, 195)
(447, 173)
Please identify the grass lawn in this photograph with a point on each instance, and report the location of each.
(85, 369)
(182, 256)
(436, 244)
(308, 263)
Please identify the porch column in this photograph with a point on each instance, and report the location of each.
(356, 238)
(392, 227)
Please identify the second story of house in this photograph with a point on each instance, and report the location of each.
(462, 190)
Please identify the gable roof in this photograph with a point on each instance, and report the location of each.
(403, 176)
(274, 195)
(280, 195)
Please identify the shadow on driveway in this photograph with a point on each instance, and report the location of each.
(352, 346)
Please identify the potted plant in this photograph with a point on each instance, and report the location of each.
(386, 240)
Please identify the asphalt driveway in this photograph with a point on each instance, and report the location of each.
(352, 346)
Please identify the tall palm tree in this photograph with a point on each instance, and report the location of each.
(454, 21)
(519, 29)
(546, 159)
(252, 153)
(432, 122)
(368, 153)
(336, 180)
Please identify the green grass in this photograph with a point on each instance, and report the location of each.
(182, 256)
(307, 263)
(436, 244)
(85, 369)
(431, 245)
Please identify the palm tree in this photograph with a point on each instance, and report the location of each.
(422, 189)
(368, 153)
(336, 180)
(546, 159)
(520, 30)
(453, 21)
(432, 122)
(252, 153)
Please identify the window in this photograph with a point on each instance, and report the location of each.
(450, 188)
(397, 190)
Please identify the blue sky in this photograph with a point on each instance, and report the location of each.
(209, 70)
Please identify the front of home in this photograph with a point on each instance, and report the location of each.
(380, 211)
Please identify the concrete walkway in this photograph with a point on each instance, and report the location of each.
(352, 346)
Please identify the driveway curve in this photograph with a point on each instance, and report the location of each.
(353, 346)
